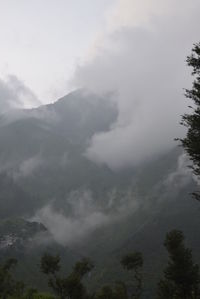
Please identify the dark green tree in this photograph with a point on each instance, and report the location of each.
(31, 293)
(134, 262)
(106, 292)
(50, 264)
(117, 292)
(8, 285)
(191, 143)
(181, 276)
(83, 267)
(120, 291)
(71, 286)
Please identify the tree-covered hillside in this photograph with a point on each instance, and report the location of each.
(86, 208)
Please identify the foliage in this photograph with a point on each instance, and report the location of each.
(33, 294)
(181, 276)
(134, 262)
(70, 286)
(40, 296)
(50, 264)
(107, 292)
(8, 285)
(83, 267)
(191, 142)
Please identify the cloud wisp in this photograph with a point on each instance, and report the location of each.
(84, 216)
(14, 94)
(28, 167)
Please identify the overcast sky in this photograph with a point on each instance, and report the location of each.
(43, 41)
(135, 48)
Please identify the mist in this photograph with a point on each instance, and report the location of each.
(14, 94)
(28, 167)
(81, 214)
(142, 59)
(84, 215)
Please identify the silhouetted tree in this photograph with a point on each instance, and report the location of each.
(69, 287)
(191, 142)
(8, 285)
(83, 267)
(181, 276)
(106, 292)
(120, 291)
(134, 262)
(50, 264)
(31, 293)
(117, 292)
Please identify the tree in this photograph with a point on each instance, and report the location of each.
(34, 294)
(120, 291)
(83, 267)
(134, 262)
(8, 285)
(117, 292)
(181, 276)
(191, 143)
(106, 292)
(70, 286)
(50, 264)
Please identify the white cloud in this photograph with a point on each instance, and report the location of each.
(84, 215)
(14, 94)
(27, 167)
(182, 175)
(145, 65)
(136, 13)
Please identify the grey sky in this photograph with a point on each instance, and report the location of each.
(42, 41)
(135, 48)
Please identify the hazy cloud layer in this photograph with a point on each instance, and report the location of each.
(143, 60)
(81, 215)
(84, 215)
(14, 94)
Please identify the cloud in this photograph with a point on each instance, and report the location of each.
(83, 215)
(173, 183)
(141, 13)
(144, 63)
(15, 94)
(182, 175)
(80, 214)
(27, 167)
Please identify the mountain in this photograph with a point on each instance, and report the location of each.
(41, 151)
(88, 209)
(27, 241)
